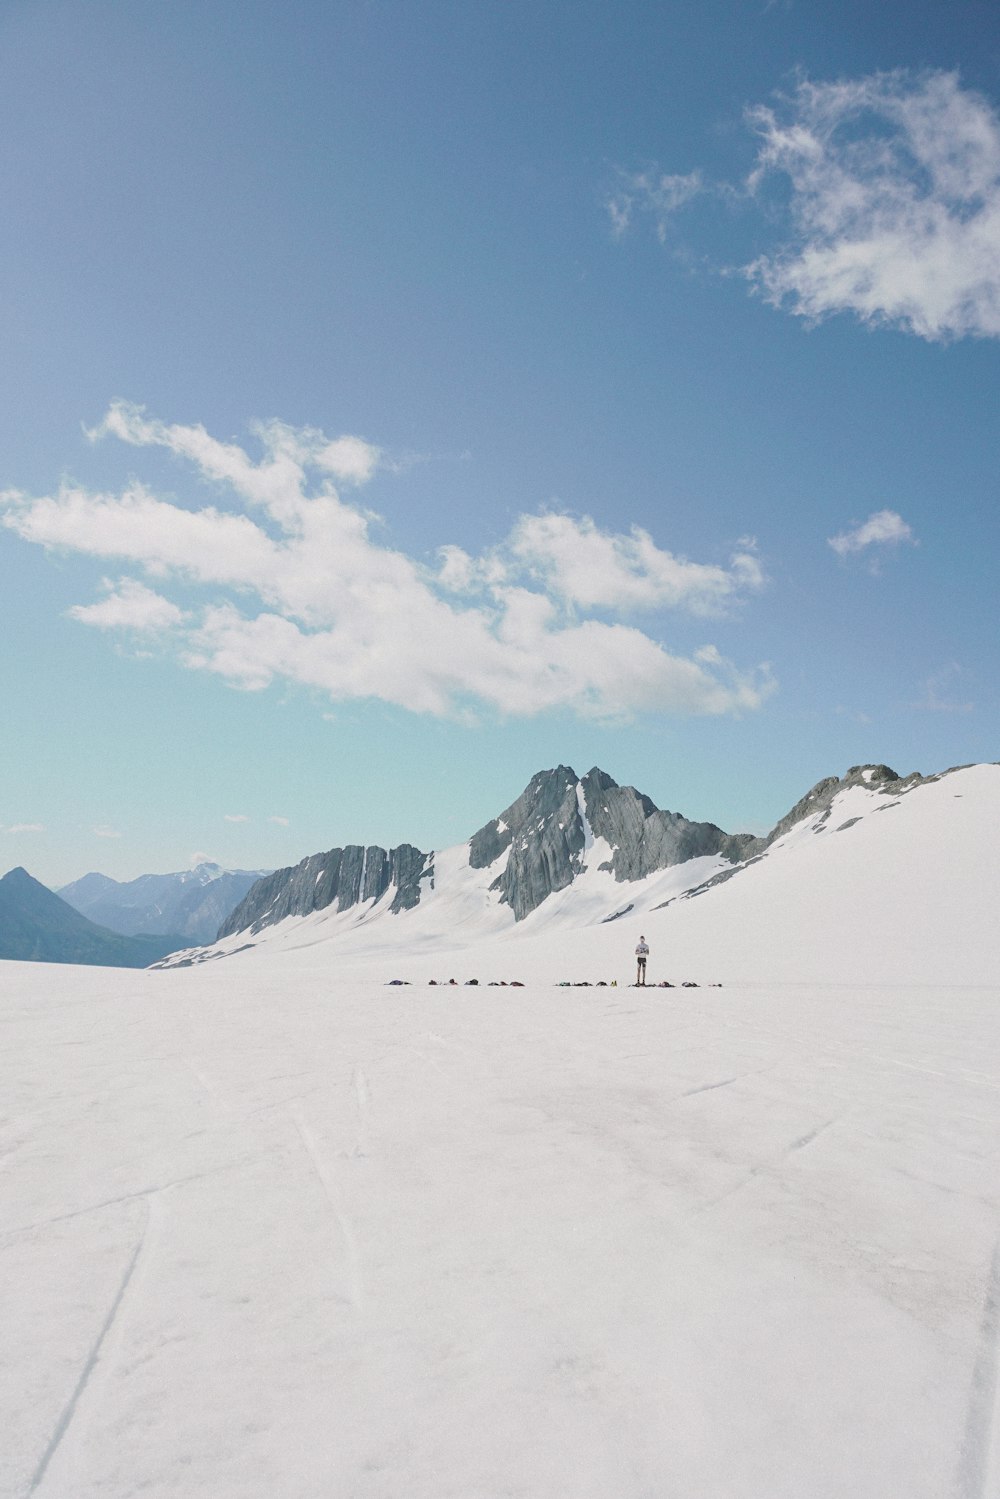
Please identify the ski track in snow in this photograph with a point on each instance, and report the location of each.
(140, 1192)
(362, 1097)
(979, 1473)
(710, 1087)
(69, 1411)
(355, 1286)
(725, 1082)
(767, 1167)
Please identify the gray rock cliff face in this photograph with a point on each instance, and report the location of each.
(546, 835)
(645, 839)
(348, 876)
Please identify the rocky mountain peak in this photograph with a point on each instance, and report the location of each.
(549, 794)
(548, 829)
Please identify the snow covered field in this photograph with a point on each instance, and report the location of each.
(269, 1239)
(271, 1228)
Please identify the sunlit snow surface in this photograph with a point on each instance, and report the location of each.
(271, 1228)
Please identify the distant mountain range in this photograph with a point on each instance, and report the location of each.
(192, 903)
(36, 926)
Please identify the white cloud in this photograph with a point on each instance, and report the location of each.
(884, 528)
(304, 594)
(235, 817)
(288, 450)
(103, 831)
(281, 821)
(349, 459)
(201, 858)
(659, 194)
(591, 569)
(895, 202)
(129, 605)
(26, 827)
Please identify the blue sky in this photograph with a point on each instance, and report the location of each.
(400, 399)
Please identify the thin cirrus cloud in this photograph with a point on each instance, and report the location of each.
(942, 691)
(893, 184)
(658, 194)
(235, 817)
(884, 528)
(104, 831)
(298, 590)
(26, 827)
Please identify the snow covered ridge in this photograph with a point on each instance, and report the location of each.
(600, 860)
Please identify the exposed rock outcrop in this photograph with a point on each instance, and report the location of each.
(348, 876)
(550, 826)
(645, 839)
(545, 835)
(818, 804)
(819, 801)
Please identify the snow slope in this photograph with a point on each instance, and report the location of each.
(270, 1227)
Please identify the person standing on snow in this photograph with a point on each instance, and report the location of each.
(641, 954)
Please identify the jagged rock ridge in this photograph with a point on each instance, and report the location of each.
(348, 876)
(545, 835)
(548, 828)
